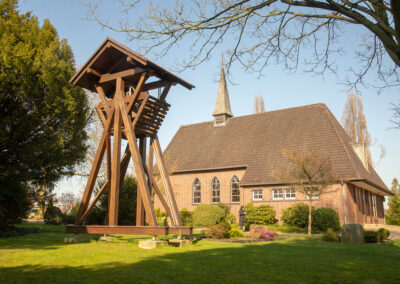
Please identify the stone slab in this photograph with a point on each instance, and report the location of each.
(180, 243)
(256, 230)
(105, 239)
(352, 233)
(150, 244)
(74, 239)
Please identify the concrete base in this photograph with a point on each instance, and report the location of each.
(74, 239)
(105, 238)
(180, 242)
(150, 244)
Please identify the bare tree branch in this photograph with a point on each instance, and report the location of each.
(292, 32)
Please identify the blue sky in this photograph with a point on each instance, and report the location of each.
(279, 89)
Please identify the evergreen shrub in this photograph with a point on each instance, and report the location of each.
(324, 218)
(206, 215)
(260, 215)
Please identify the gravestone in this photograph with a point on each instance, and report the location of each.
(256, 230)
(352, 233)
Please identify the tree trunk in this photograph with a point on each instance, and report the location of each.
(309, 215)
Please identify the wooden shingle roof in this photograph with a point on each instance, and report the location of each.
(255, 142)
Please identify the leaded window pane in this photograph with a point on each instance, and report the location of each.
(216, 192)
(235, 190)
(196, 191)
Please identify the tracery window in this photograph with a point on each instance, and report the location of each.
(235, 190)
(216, 191)
(196, 191)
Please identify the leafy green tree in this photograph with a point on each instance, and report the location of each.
(42, 116)
(126, 208)
(393, 213)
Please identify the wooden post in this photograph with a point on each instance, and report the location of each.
(137, 161)
(95, 170)
(166, 182)
(140, 214)
(115, 175)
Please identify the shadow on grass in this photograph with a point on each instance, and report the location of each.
(291, 261)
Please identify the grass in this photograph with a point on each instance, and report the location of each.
(45, 258)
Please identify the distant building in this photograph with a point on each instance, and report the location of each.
(230, 160)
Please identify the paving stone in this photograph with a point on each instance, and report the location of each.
(150, 244)
(180, 242)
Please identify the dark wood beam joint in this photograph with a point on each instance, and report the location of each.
(94, 72)
(123, 74)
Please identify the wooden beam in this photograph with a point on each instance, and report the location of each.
(139, 111)
(159, 193)
(109, 164)
(169, 194)
(165, 92)
(137, 91)
(116, 64)
(131, 60)
(101, 115)
(94, 170)
(103, 98)
(130, 135)
(116, 167)
(128, 230)
(95, 199)
(94, 72)
(156, 85)
(140, 214)
(123, 74)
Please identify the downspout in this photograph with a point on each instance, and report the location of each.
(344, 203)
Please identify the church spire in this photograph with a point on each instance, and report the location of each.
(222, 111)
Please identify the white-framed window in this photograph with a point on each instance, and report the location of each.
(257, 194)
(277, 194)
(235, 190)
(196, 191)
(216, 191)
(290, 193)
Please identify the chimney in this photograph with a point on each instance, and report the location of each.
(361, 151)
(222, 111)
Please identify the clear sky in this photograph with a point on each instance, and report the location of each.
(279, 89)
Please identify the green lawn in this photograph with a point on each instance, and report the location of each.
(45, 258)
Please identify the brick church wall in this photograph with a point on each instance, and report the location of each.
(355, 213)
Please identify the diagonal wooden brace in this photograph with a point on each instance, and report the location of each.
(95, 169)
(137, 161)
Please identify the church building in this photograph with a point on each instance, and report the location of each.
(230, 160)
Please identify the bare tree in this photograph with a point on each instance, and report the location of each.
(259, 106)
(354, 121)
(94, 131)
(355, 124)
(289, 31)
(396, 110)
(310, 173)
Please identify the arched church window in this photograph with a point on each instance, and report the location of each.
(235, 190)
(216, 192)
(196, 191)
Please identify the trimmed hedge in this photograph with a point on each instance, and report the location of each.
(296, 215)
(324, 218)
(206, 215)
(260, 215)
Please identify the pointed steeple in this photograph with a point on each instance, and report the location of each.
(222, 111)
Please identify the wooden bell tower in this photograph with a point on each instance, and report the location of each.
(123, 78)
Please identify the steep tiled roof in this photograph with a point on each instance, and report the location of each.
(256, 142)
